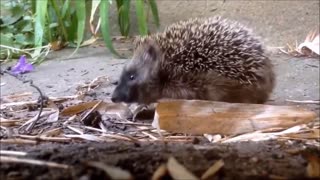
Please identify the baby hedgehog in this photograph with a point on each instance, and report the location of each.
(202, 58)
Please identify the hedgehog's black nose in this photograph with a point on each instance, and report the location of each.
(114, 97)
(117, 95)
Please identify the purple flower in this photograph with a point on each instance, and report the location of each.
(22, 66)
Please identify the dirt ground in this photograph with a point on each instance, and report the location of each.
(297, 79)
(249, 160)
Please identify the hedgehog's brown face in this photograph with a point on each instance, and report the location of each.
(138, 76)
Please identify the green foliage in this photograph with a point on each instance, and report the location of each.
(32, 27)
(16, 29)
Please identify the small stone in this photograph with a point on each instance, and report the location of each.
(254, 159)
(49, 86)
(277, 155)
(71, 69)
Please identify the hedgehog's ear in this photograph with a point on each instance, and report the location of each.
(152, 51)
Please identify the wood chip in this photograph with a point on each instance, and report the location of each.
(213, 170)
(160, 172)
(178, 172)
(113, 172)
(209, 117)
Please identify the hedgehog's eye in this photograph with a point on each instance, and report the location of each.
(131, 77)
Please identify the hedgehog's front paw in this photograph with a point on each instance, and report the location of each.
(148, 111)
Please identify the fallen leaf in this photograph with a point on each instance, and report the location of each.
(115, 173)
(177, 171)
(311, 44)
(57, 45)
(72, 110)
(213, 169)
(160, 172)
(118, 109)
(210, 117)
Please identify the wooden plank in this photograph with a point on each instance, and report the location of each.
(200, 117)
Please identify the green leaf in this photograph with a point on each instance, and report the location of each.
(21, 39)
(142, 20)
(16, 13)
(81, 16)
(124, 17)
(104, 15)
(65, 8)
(41, 12)
(154, 10)
(6, 39)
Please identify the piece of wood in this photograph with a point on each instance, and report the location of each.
(210, 117)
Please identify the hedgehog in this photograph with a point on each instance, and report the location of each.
(211, 58)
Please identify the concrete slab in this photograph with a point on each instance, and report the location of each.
(297, 78)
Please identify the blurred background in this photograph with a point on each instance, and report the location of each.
(28, 24)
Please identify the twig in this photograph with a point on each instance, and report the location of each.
(75, 129)
(44, 138)
(132, 123)
(91, 110)
(14, 153)
(17, 141)
(69, 120)
(30, 127)
(5, 159)
(305, 102)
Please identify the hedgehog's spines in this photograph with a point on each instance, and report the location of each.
(211, 44)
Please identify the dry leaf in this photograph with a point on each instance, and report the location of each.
(313, 168)
(118, 109)
(160, 172)
(311, 44)
(210, 117)
(57, 45)
(213, 169)
(177, 171)
(115, 173)
(72, 110)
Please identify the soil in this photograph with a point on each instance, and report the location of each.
(249, 160)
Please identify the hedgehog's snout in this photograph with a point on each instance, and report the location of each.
(119, 95)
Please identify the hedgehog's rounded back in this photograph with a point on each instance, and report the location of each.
(205, 58)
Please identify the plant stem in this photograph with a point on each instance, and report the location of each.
(64, 31)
